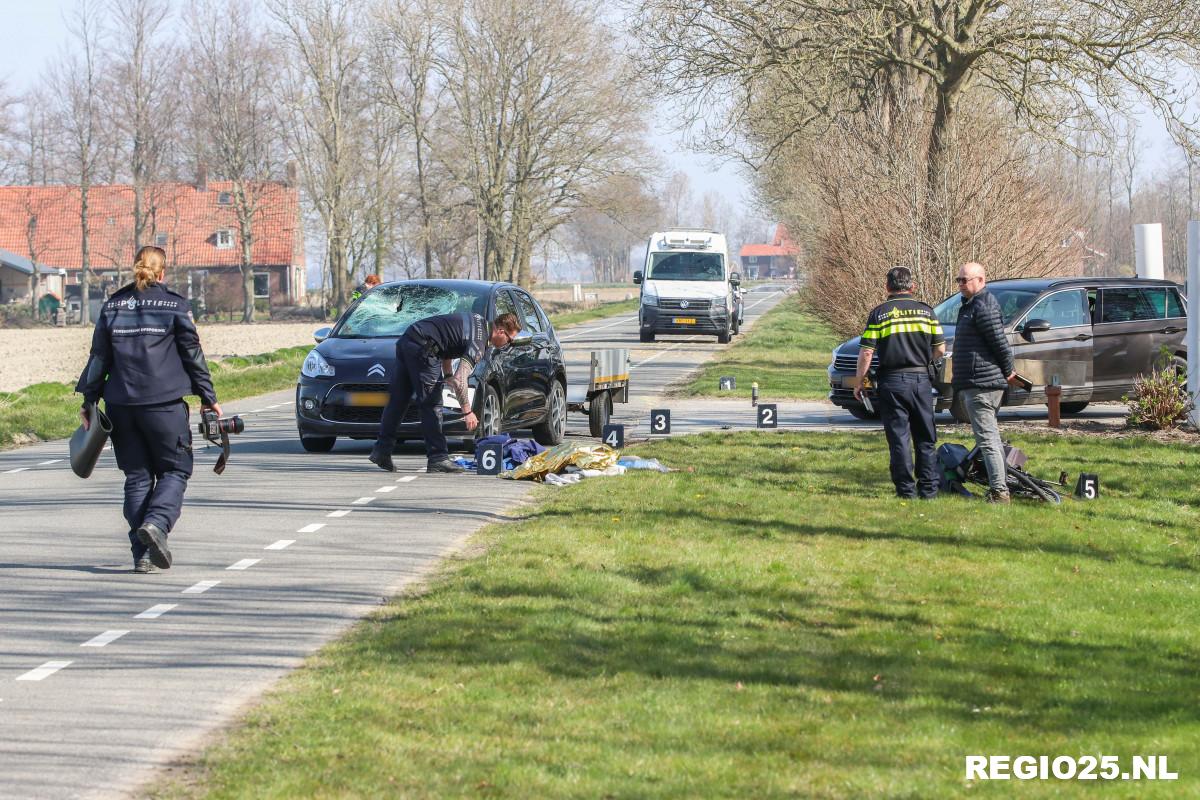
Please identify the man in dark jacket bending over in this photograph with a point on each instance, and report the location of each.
(424, 355)
(983, 367)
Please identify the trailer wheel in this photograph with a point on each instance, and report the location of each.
(599, 412)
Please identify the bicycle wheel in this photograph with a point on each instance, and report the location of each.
(1022, 484)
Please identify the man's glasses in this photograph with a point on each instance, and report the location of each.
(961, 281)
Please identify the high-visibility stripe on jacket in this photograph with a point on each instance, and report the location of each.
(903, 331)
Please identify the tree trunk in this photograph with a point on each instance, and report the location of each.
(85, 315)
(247, 265)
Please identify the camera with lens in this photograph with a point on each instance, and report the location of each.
(217, 430)
(212, 427)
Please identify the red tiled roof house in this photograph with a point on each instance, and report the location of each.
(774, 260)
(195, 224)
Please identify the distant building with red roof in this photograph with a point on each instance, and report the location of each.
(774, 260)
(195, 224)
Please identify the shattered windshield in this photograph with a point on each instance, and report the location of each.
(389, 310)
(686, 267)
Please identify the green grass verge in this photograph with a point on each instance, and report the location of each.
(786, 352)
(47, 411)
(601, 311)
(773, 624)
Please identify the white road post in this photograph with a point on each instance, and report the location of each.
(1193, 326)
(1148, 247)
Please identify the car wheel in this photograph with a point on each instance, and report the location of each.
(958, 409)
(737, 325)
(317, 444)
(489, 414)
(599, 413)
(860, 412)
(723, 338)
(646, 336)
(551, 431)
(1072, 408)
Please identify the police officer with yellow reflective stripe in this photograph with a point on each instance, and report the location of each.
(908, 337)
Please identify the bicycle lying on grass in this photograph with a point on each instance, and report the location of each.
(961, 466)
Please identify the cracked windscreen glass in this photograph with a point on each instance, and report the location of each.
(387, 311)
(686, 267)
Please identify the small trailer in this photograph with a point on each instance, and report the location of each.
(608, 383)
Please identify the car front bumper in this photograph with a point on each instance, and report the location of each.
(328, 407)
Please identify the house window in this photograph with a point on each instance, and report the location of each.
(262, 284)
(160, 240)
(224, 199)
(224, 238)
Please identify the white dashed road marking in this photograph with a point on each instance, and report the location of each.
(406, 479)
(15, 471)
(154, 612)
(108, 637)
(245, 563)
(312, 528)
(200, 588)
(362, 501)
(341, 512)
(385, 489)
(51, 461)
(44, 671)
(281, 544)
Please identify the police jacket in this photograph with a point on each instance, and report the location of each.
(452, 335)
(903, 331)
(145, 350)
(982, 356)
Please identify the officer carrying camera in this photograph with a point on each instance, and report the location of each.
(145, 357)
(908, 338)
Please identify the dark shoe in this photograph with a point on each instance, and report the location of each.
(445, 465)
(156, 545)
(1002, 498)
(143, 565)
(382, 460)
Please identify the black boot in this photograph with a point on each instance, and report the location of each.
(382, 459)
(444, 465)
(155, 541)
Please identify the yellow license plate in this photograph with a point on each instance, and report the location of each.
(849, 383)
(684, 321)
(367, 399)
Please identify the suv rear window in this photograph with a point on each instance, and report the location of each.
(1133, 304)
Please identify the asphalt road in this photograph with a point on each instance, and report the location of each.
(105, 676)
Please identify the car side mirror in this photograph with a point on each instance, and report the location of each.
(522, 338)
(735, 278)
(321, 334)
(1034, 326)
(637, 276)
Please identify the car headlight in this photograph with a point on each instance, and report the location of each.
(316, 366)
(649, 299)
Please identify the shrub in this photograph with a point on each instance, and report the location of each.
(1160, 399)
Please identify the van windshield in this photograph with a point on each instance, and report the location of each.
(686, 267)
(1012, 302)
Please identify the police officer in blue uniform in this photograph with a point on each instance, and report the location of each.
(145, 357)
(908, 338)
(424, 355)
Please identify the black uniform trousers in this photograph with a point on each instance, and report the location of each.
(153, 446)
(417, 376)
(906, 408)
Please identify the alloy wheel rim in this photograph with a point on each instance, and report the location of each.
(558, 409)
(490, 415)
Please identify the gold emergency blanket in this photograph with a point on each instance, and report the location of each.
(559, 457)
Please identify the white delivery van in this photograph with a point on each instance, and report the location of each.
(689, 286)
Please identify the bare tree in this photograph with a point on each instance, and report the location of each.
(617, 216)
(327, 120)
(232, 109)
(76, 80)
(142, 96)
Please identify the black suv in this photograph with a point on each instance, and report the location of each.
(343, 383)
(1096, 335)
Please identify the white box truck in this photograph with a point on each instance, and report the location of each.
(689, 286)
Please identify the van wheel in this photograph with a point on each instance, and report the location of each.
(1072, 408)
(958, 409)
(646, 336)
(737, 325)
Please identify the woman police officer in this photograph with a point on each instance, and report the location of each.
(145, 357)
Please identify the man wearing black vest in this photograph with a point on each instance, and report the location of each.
(908, 338)
(424, 355)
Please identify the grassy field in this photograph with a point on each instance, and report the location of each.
(773, 624)
(568, 318)
(786, 352)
